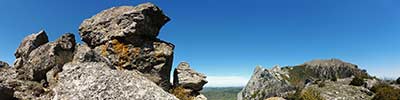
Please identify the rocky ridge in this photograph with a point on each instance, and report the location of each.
(122, 58)
(326, 77)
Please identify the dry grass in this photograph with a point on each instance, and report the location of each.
(181, 94)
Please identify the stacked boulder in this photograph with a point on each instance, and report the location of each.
(122, 58)
(127, 37)
(190, 80)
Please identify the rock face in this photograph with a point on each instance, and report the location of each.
(122, 58)
(50, 56)
(127, 22)
(190, 80)
(27, 45)
(126, 37)
(95, 80)
(285, 81)
(265, 83)
(333, 68)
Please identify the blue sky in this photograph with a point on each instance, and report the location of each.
(226, 39)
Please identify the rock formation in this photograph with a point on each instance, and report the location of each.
(336, 91)
(190, 80)
(122, 58)
(94, 80)
(127, 37)
(286, 81)
(265, 83)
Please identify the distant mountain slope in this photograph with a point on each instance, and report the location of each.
(221, 93)
(293, 80)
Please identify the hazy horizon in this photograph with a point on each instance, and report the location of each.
(227, 39)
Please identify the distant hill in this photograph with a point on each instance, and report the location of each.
(221, 93)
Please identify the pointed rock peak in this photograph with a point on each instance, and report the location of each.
(30, 43)
(127, 23)
(276, 68)
(258, 69)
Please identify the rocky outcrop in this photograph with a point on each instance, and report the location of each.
(333, 68)
(125, 22)
(190, 80)
(95, 80)
(336, 91)
(265, 83)
(285, 81)
(27, 45)
(50, 56)
(126, 37)
(122, 58)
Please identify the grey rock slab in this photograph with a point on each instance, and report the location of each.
(95, 80)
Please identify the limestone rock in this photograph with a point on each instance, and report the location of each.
(96, 80)
(188, 78)
(333, 68)
(369, 83)
(152, 58)
(4, 64)
(31, 42)
(126, 37)
(47, 57)
(265, 83)
(84, 53)
(125, 22)
(27, 45)
(282, 81)
(336, 91)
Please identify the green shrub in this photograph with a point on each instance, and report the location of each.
(311, 94)
(398, 80)
(322, 84)
(385, 92)
(334, 79)
(357, 81)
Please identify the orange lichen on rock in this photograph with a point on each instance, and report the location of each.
(122, 52)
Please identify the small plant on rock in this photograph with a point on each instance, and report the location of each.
(311, 94)
(357, 81)
(385, 92)
(181, 93)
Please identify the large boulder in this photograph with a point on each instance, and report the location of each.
(50, 56)
(30, 43)
(125, 22)
(126, 37)
(190, 81)
(188, 78)
(95, 80)
(27, 45)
